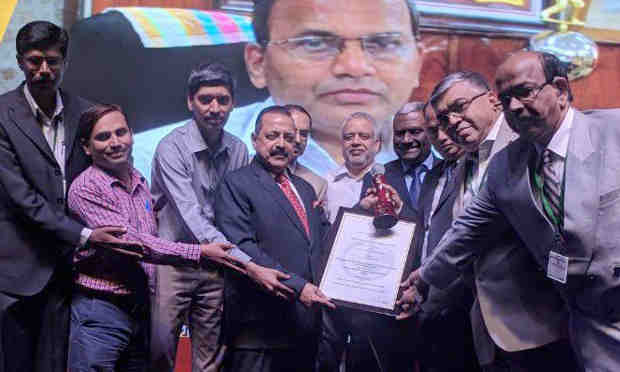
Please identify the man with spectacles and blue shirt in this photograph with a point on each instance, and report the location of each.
(334, 59)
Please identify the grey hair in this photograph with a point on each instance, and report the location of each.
(474, 78)
(410, 107)
(364, 116)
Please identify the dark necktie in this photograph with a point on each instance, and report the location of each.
(551, 189)
(416, 183)
(285, 186)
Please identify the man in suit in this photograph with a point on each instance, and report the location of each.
(38, 160)
(472, 116)
(415, 159)
(555, 189)
(272, 216)
(303, 130)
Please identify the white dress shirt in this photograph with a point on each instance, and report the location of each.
(343, 190)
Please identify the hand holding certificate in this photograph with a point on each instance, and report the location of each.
(366, 265)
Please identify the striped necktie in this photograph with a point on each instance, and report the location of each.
(551, 189)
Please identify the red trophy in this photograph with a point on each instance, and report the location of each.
(385, 209)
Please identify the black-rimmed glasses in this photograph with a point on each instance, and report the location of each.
(523, 93)
(457, 109)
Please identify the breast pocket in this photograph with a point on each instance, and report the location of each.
(609, 198)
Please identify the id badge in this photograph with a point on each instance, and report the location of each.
(557, 268)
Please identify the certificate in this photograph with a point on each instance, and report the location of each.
(365, 266)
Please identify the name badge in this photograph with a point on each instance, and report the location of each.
(557, 268)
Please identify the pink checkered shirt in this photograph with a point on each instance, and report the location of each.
(99, 199)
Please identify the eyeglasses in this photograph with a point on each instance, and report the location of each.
(381, 46)
(457, 109)
(208, 98)
(37, 61)
(521, 92)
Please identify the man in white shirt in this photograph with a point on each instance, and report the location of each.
(360, 144)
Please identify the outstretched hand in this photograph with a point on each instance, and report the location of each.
(312, 295)
(219, 252)
(269, 280)
(411, 298)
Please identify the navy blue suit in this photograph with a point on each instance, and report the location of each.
(254, 213)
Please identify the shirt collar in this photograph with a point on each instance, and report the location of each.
(342, 172)
(136, 179)
(196, 142)
(559, 142)
(292, 168)
(494, 132)
(428, 163)
(37, 112)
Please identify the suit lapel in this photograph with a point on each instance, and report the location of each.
(70, 123)
(581, 180)
(395, 175)
(429, 186)
(504, 137)
(453, 186)
(22, 117)
(268, 183)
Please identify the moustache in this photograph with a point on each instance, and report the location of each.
(42, 79)
(214, 117)
(279, 152)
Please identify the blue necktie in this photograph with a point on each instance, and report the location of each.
(416, 184)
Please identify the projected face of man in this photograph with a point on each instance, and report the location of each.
(337, 57)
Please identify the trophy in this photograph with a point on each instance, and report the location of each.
(385, 209)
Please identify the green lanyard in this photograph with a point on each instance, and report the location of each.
(558, 221)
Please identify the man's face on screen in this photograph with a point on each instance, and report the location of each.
(337, 57)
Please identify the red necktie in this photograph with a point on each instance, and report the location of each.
(285, 185)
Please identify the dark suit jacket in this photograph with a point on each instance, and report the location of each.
(37, 235)
(395, 177)
(34, 226)
(253, 213)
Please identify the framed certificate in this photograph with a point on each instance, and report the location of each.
(365, 266)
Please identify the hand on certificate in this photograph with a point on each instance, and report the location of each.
(269, 280)
(369, 201)
(218, 252)
(415, 291)
(312, 295)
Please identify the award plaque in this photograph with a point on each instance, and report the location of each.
(366, 265)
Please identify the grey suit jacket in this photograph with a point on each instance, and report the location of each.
(506, 205)
(35, 229)
(318, 183)
(507, 313)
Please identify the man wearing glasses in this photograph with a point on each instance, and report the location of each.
(506, 335)
(333, 58)
(557, 189)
